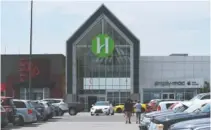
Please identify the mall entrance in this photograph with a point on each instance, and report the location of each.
(103, 56)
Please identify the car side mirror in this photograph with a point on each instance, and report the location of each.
(92, 105)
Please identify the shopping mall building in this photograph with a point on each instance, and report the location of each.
(104, 63)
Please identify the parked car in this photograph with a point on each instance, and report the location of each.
(25, 112)
(200, 97)
(168, 120)
(4, 119)
(153, 104)
(49, 110)
(75, 107)
(63, 107)
(145, 120)
(162, 106)
(7, 103)
(190, 124)
(102, 107)
(40, 109)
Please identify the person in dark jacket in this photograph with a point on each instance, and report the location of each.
(128, 108)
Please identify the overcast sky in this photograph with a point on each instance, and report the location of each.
(162, 27)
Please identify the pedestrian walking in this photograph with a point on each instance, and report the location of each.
(138, 112)
(128, 108)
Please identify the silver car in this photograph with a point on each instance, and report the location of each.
(48, 109)
(25, 112)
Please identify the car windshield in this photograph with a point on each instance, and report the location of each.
(101, 104)
(193, 108)
(180, 109)
(204, 109)
(196, 97)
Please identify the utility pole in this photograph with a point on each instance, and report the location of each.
(30, 50)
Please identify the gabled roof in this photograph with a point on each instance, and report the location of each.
(103, 10)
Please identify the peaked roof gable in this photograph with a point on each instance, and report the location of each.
(103, 10)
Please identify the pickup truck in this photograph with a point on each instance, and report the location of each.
(75, 107)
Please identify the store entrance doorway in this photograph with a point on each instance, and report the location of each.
(91, 100)
(168, 96)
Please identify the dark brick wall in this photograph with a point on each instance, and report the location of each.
(10, 65)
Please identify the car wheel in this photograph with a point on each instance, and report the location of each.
(108, 113)
(21, 121)
(119, 110)
(72, 111)
(92, 114)
(61, 113)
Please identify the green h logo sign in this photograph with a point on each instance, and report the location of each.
(102, 45)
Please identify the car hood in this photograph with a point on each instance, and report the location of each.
(100, 107)
(156, 113)
(179, 117)
(190, 123)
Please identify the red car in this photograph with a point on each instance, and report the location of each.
(7, 103)
(4, 119)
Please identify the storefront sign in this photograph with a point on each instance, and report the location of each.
(169, 83)
(102, 45)
(181, 83)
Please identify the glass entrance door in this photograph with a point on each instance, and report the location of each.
(168, 96)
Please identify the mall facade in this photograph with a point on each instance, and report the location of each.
(103, 63)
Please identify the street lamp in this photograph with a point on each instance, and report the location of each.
(30, 50)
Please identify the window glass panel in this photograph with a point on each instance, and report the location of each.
(96, 81)
(128, 81)
(116, 94)
(123, 81)
(109, 81)
(102, 81)
(109, 94)
(102, 87)
(110, 99)
(109, 87)
(122, 87)
(123, 100)
(116, 87)
(19, 104)
(116, 81)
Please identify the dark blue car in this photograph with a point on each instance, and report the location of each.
(190, 124)
(169, 120)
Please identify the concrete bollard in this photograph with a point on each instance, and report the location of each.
(160, 127)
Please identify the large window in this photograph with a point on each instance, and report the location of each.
(106, 83)
(112, 72)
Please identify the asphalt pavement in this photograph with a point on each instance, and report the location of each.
(82, 121)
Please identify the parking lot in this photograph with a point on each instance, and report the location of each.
(82, 121)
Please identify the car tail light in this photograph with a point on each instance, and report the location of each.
(159, 108)
(29, 111)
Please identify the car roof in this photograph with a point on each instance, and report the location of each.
(164, 102)
(3, 97)
(52, 99)
(21, 100)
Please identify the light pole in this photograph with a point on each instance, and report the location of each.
(30, 50)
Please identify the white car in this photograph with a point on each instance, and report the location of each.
(163, 106)
(102, 107)
(58, 102)
(200, 97)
